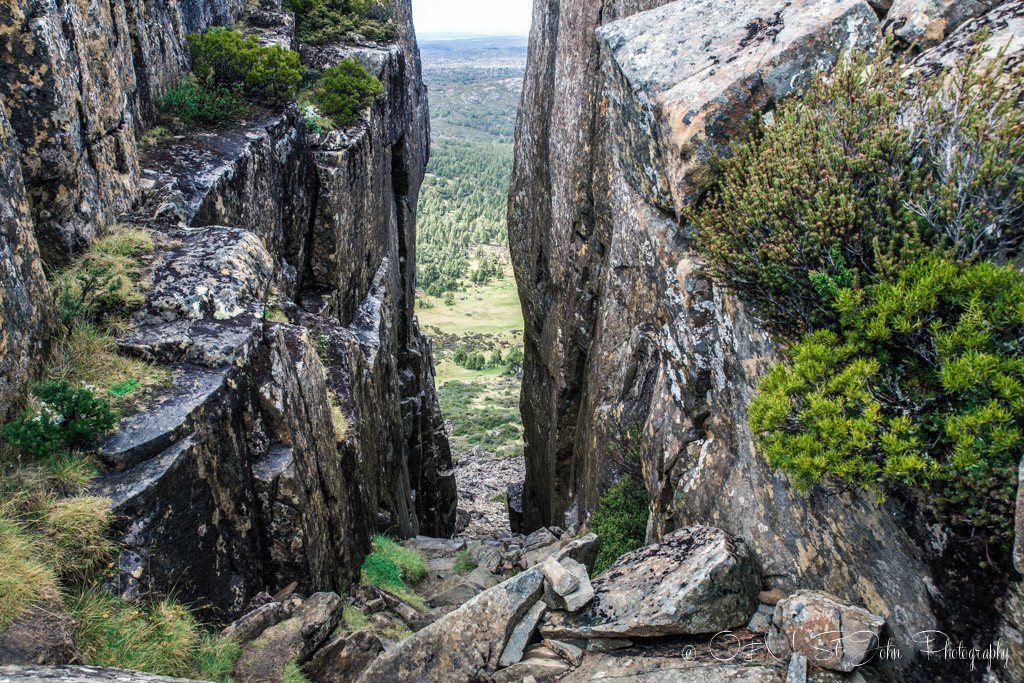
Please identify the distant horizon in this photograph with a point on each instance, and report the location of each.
(462, 35)
(457, 18)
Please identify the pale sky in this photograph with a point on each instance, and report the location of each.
(472, 16)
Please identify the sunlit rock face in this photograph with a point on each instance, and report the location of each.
(621, 103)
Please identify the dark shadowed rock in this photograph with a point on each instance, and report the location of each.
(343, 657)
(695, 580)
(265, 658)
(250, 626)
(26, 316)
(465, 643)
(831, 634)
(43, 634)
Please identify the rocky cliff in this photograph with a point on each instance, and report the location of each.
(621, 103)
(277, 448)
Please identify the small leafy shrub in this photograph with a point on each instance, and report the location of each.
(923, 385)
(222, 58)
(197, 103)
(621, 516)
(327, 21)
(344, 90)
(860, 177)
(69, 417)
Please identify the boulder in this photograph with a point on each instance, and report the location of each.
(343, 657)
(695, 580)
(652, 668)
(761, 622)
(686, 77)
(43, 634)
(830, 633)
(265, 658)
(465, 643)
(483, 578)
(540, 537)
(559, 579)
(583, 550)
(530, 558)
(771, 597)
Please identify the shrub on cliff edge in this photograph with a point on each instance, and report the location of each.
(621, 516)
(344, 90)
(922, 386)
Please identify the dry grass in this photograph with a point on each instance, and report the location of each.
(24, 577)
(338, 419)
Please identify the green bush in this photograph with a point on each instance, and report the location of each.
(327, 21)
(344, 90)
(222, 58)
(621, 516)
(194, 102)
(860, 177)
(69, 417)
(922, 385)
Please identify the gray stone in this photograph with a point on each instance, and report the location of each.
(540, 537)
(576, 599)
(249, 627)
(928, 22)
(797, 671)
(343, 657)
(560, 580)
(465, 643)
(567, 651)
(761, 622)
(485, 556)
(434, 548)
(530, 558)
(645, 668)
(483, 578)
(81, 674)
(834, 635)
(583, 550)
(521, 635)
(695, 580)
(607, 644)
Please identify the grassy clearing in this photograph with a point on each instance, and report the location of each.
(482, 309)
(484, 414)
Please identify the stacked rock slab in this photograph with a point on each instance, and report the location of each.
(623, 327)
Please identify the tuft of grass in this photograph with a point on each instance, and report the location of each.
(154, 135)
(461, 563)
(293, 674)
(77, 528)
(393, 567)
(104, 281)
(338, 419)
(24, 576)
(162, 638)
(353, 618)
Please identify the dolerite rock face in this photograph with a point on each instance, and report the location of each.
(26, 318)
(622, 326)
(79, 78)
(694, 580)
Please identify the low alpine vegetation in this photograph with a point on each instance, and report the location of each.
(862, 227)
(394, 568)
(328, 21)
(621, 516)
(344, 90)
(229, 73)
